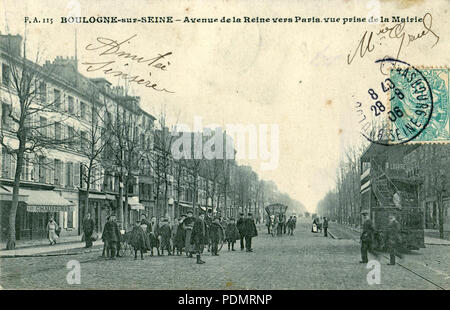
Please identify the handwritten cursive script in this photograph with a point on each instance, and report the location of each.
(367, 42)
(110, 47)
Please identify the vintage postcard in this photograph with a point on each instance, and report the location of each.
(225, 145)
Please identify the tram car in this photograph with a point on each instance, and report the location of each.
(386, 189)
(276, 209)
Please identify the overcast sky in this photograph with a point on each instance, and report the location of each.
(294, 75)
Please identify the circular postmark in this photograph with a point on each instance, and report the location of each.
(398, 109)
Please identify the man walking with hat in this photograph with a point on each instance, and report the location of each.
(366, 237)
(188, 225)
(199, 237)
(393, 238)
(250, 231)
(241, 227)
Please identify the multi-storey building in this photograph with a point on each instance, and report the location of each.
(53, 180)
(431, 164)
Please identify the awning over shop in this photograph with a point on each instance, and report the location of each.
(134, 203)
(6, 193)
(110, 197)
(185, 205)
(97, 196)
(45, 201)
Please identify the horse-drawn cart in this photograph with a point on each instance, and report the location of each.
(277, 217)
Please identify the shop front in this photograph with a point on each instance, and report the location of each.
(100, 206)
(136, 209)
(36, 207)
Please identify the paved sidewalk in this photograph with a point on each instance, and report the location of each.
(41, 242)
(39, 250)
(302, 261)
(436, 241)
(428, 240)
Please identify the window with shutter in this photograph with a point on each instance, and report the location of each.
(35, 172)
(70, 220)
(50, 172)
(57, 176)
(58, 136)
(43, 92)
(5, 74)
(76, 175)
(6, 164)
(42, 170)
(82, 110)
(43, 126)
(71, 105)
(69, 175)
(57, 98)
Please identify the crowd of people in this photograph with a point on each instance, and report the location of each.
(278, 223)
(320, 224)
(186, 234)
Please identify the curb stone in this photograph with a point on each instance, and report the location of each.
(50, 254)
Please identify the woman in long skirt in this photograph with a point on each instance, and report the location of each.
(51, 230)
(138, 240)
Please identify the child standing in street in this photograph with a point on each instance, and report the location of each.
(231, 234)
(166, 234)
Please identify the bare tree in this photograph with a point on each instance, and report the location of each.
(161, 161)
(27, 96)
(436, 169)
(93, 140)
(193, 170)
(126, 147)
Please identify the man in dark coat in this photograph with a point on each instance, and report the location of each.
(366, 237)
(180, 236)
(393, 238)
(165, 232)
(325, 226)
(241, 227)
(88, 230)
(208, 222)
(250, 231)
(198, 237)
(111, 233)
(188, 225)
(146, 227)
(153, 231)
(138, 239)
(105, 241)
(216, 234)
(291, 226)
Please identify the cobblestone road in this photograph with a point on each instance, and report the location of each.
(302, 261)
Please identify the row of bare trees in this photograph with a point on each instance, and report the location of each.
(430, 163)
(111, 141)
(343, 203)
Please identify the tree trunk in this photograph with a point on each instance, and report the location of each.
(86, 199)
(125, 207)
(225, 198)
(11, 244)
(194, 200)
(441, 215)
(166, 205)
(120, 203)
(157, 199)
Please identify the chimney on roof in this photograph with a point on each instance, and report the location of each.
(12, 44)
